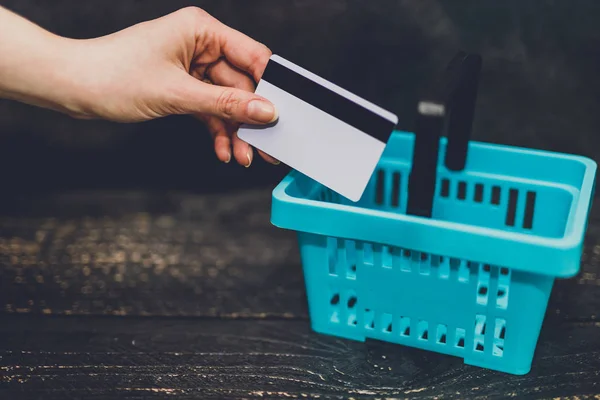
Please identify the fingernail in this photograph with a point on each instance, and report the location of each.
(249, 159)
(276, 162)
(262, 111)
(228, 158)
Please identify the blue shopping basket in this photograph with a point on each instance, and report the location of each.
(473, 281)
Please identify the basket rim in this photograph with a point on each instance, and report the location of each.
(570, 242)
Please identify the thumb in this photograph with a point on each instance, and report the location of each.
(227, 103)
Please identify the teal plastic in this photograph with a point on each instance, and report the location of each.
(473, 281)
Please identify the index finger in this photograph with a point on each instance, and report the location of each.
(242, 51)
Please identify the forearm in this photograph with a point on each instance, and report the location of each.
(36, 65)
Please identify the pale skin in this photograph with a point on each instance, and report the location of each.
(186, 62)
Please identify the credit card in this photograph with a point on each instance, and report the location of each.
(323, 131)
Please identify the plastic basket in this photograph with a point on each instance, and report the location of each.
(473, 281)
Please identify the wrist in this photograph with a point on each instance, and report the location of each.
(38, 67)
(62, 84)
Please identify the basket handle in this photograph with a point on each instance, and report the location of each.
(462, 76)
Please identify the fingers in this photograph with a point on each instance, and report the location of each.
(217, 39)
(220, 134)
(225, 135)
(242, 51)
(231, 104)
(223, 73)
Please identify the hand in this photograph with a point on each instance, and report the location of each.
(186, 62)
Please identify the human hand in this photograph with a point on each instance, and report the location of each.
(186, 62)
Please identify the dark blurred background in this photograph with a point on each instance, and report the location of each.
(540, 86)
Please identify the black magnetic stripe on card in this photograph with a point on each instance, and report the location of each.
(328, 101)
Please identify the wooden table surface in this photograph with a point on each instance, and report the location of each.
(135, 295)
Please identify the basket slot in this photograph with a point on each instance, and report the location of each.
(459, 338)
(478, 195)
(496, 192)
(441, 334)
(423, 330)
(529, 209)
(387, 190)
(483, 284)
(369, 319)
(386, 323)
(462, 190)
(445, 187)
(332, 252)
(503, 288)
(351, 307)
(387, 257)
(462, 269)
(499, 337)
(405, 326)
(479, 336)
(511, 211)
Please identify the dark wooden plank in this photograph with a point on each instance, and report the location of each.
(148, 254)
(120, 357)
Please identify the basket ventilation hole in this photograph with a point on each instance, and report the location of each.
(379, 187)
(425, 266)
(463, 269)
(511, 211)
(335, 299)
(352, 302)
(478, 196)
(483, 285)
(396, 189)
(351, 272)
(423, 330)
(386, 257)
(405, 326)
(496, 195)
(332, 251)
(444, 267)
(460, 338)
(386, 323)
(462, 190)
(529, 209)
(445, 189)
(441, 334)
(499, 334)
(479, 337)
(503, 289)
(369, 319)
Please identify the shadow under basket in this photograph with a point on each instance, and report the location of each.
(473, 281)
